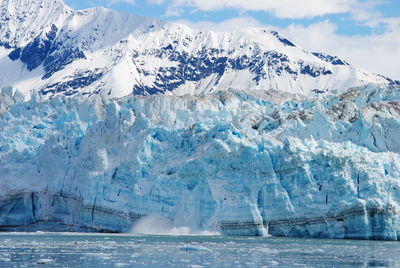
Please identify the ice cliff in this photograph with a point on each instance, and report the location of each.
(243, 163)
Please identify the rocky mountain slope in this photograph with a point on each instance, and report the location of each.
(45, 46)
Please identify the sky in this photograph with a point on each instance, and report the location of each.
(365, 33)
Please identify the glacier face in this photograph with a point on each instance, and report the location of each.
(48, 47)
(244, 163)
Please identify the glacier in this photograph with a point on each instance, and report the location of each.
(240, 162)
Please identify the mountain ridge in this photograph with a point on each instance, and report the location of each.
(50, 48)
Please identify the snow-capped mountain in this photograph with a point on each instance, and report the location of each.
(48, 47)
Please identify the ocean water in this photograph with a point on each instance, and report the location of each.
(98, 250)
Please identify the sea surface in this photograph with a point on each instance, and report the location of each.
(100, 250)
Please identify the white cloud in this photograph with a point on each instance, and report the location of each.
(157, 2)
(279, 8)
(378, 53)
(113, 2)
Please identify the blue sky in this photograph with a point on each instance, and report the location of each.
(364, 32)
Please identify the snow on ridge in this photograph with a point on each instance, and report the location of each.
(99, 50)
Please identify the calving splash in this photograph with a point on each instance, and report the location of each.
(158, 225)
(246, 162)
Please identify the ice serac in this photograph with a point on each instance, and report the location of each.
(47, 47)
(244, 163)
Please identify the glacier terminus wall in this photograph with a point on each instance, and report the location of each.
(242, 163)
